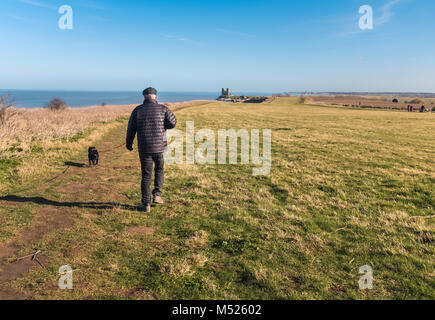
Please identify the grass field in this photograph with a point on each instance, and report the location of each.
(347, 188)
(375, 102)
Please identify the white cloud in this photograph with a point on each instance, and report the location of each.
(91, 5)
(36, 4)
(20, 18)
(381, 17)
(100, 18)
(183, 39)
(386, 13)
(188, 40)
(242, 34)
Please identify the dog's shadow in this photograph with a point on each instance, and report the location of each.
(75, 164)
(87, 205)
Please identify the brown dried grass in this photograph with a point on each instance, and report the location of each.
(375, 102)
(24, 126)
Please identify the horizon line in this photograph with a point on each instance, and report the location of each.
(236, 91)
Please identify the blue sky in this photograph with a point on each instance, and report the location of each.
(249, 46)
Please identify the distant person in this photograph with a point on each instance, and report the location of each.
(150, 121)
(409, 108)
(422, 109)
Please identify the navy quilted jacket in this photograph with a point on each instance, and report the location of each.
(150, 121)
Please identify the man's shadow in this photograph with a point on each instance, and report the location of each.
(88, 205)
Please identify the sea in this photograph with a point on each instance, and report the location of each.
(74, 99)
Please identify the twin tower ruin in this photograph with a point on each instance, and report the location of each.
(225, 93)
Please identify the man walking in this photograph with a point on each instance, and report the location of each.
(150, 121)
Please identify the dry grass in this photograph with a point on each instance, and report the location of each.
(23, 127)
(5, 104)
(31, 140)
(375, 102)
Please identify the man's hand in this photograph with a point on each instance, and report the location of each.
(130, 148)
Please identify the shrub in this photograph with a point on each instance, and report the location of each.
(5, 103)
(56, 104)
(395, 101)
(302, 100)
(2, 114)
(417, 101)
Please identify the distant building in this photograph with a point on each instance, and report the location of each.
(226, 93)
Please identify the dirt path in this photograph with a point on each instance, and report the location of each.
(81, 187)
(55, 204)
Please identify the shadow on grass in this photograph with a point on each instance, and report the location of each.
(88, 205)
(74, 164)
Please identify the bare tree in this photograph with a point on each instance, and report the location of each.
(5, 103)
(56, 105)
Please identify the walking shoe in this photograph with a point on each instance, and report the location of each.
(144, 208)
(158, 200)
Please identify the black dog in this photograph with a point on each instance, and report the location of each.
(94, 156)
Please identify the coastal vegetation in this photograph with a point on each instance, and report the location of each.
(347, 188)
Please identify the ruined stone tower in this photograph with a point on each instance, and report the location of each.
(225, 93)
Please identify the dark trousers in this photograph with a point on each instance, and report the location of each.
(147, 161)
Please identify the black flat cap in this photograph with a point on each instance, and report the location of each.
(148, 91)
